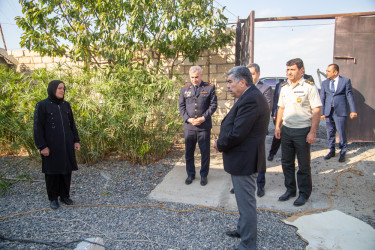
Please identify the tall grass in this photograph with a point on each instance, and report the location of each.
(131, 113)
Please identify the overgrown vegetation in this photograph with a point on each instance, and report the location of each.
(122, 104)
(130, 112)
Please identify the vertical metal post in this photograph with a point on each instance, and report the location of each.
(238, 43)
(251, 45)
(2, 35)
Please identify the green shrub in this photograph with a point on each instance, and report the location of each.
(128, 112)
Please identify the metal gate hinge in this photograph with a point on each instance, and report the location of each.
(346, 57)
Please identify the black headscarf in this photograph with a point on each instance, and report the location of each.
(51, 90)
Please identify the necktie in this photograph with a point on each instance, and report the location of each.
(332, 86)
(333, 91)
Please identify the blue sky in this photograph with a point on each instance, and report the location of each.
(275, 42)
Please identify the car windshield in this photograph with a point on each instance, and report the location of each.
(272, 81)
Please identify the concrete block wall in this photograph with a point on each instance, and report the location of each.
(215, 65)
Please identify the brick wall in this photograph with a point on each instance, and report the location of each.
(215, 65)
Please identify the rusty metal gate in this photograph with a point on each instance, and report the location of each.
(354, 52)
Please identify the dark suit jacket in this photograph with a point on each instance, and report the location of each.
(266, 91)
(308, 78)
(242, 134)
(276, 95)
(342, 94)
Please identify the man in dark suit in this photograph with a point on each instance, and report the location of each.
(308, 78)
(266, 91)
(335, 92)
(275, 145)
(197, 104)
(241, 139)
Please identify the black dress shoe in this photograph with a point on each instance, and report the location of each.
(329, 155)
(204, 180)
(342, 158)
(189, 180)
(300, 201)
(66, 200)
(260, 192)
(232, 191)
(270, 157)
(233, 234)
(286, 196)
(54, 204)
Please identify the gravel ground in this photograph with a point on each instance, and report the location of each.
(116, 183)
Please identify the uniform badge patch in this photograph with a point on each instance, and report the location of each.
(187, 93)
(299, 100)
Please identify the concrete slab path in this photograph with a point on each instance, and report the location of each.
(356, 195)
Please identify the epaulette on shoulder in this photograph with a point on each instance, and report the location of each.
(207, 84)
(186, 85)
(285, 83)
(309, 82)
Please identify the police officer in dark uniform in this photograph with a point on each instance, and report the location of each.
(197, 104)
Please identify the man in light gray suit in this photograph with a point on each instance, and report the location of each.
(241, 139)
(266, 91)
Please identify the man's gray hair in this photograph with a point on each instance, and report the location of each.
(241, 72)
(196, 68)
(255, 66)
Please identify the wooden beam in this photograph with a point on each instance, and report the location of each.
(238, 43)
(251, 45)
(311, 17)
(2, 35)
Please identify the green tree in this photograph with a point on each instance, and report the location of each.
(122, 31)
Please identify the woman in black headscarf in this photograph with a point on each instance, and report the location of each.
(56, 136)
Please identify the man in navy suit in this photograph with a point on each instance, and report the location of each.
(335, 92)
(241, 139)
(266, 91)
(275, 145)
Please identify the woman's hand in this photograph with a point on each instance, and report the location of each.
(45, 151)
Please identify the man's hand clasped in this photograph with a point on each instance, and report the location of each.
(196, 121)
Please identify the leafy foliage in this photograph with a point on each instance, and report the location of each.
(121, 31)
(130, 112)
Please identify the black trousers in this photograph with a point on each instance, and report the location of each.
(275, 145)
(293, 142)
(58, 185)
(203, 139)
